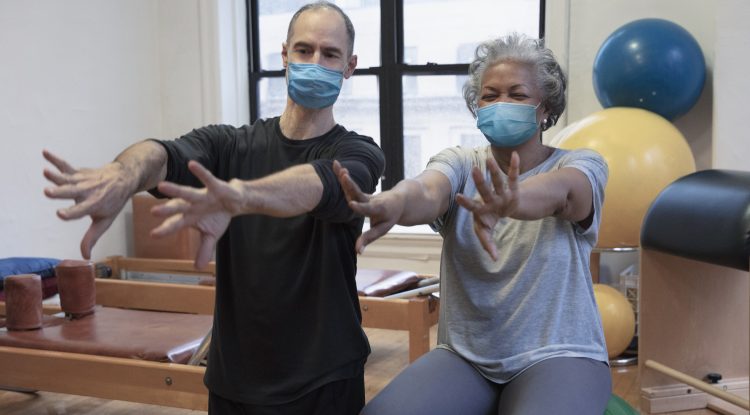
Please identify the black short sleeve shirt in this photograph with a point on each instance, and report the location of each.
(287, 316)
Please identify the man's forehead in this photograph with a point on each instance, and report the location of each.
(316, 23)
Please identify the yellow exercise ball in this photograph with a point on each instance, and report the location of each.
(618, 318)
(645, 153)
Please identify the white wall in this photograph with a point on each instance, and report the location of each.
(180, 72)
(731, 144)
(87, 78)
(81, 79)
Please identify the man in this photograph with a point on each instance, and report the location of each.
(287, 335)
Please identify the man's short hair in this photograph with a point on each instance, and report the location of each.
(324, 5)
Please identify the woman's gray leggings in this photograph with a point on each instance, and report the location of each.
(441, 382)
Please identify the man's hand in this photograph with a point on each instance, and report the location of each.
(497, 201)
(384, 209)
(99, 193)
(209, 210)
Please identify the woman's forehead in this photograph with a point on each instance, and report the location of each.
(509, 73)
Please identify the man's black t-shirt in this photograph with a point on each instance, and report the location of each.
(287, 316)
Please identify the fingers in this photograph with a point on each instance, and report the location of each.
(66, 191)
(203, 174)
(95, 231)
(372, 234)
(337, 167)
(176, 191)
(76, 211)
(481, 229)
(513, 172)
(365, 209)
(485, 238)
(171, 225)
(495, 175)
(61, 164)
(351, 189)
(67, 186)
(482, 187)
(469, 204)
(56, 178)
(169, 208)
(188, 193)
(205, 251)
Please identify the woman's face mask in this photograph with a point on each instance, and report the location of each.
(313, 86)
(507, 125)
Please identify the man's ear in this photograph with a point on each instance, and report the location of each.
(284, 56)
(350, 67)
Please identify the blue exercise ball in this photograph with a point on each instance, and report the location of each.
(653, 64)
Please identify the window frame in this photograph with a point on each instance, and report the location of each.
(389, 74)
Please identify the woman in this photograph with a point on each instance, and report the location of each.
(519, 329)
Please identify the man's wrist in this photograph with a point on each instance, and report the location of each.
(248, 199)
(126, 177)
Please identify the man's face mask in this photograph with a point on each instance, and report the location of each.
(507, 125)
(312, 85)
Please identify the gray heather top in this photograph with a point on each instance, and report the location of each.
(536, 301)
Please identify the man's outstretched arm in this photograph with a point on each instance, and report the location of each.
(291, 192)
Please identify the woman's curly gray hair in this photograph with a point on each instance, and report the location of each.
(519, 48)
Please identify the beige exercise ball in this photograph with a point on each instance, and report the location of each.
(618, 318)
(644, 152)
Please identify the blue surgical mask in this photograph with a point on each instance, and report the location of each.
(507, 125)
(312, 85)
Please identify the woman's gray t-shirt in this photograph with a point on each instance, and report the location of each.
(536, 301)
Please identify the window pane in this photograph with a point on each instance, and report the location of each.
(435, 117)
(443, 31)
(273, 22)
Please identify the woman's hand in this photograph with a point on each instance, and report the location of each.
(384, 209)
(209, 210)
(497, 200)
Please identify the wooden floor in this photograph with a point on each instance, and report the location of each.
(388, 358)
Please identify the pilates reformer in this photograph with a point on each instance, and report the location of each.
(111, 376)
(694, 295)
(173, 384)
(414, 310)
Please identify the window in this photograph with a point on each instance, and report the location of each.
(413, 163)
(413, 57)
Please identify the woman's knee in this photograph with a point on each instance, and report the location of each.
(439, 382)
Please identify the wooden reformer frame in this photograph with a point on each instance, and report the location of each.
(416, 315)
(167, 384)
(170, 384)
